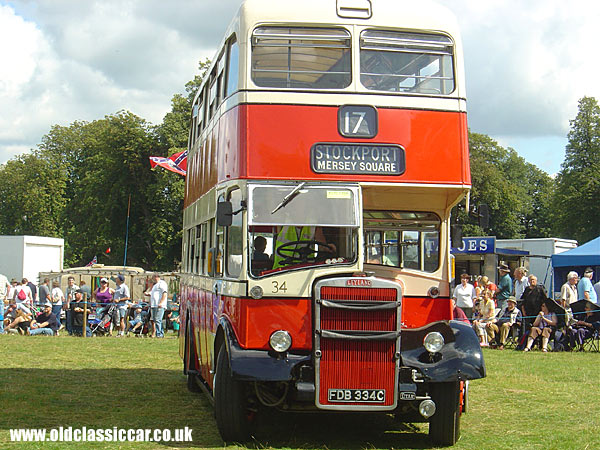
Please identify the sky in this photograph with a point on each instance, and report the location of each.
(527, 64)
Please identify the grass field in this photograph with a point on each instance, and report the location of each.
(535, 400)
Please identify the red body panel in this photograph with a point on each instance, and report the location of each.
(274, 141)
(419, 311)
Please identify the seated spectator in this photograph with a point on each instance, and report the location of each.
(78, 305)
(459, 314)
(17, 320)
(45, 323)
(542, 325)
(511, 316)
(483, 315)
(583, 328)
(138, 320)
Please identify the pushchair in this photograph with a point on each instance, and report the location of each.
(102, 326)
(143, 329)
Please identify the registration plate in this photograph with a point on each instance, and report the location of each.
(356, 395)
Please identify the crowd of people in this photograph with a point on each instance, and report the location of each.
(33, 310)
(520, 307)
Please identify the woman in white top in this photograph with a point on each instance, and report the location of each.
(465, 295)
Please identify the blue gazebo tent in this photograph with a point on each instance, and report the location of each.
(577, 259)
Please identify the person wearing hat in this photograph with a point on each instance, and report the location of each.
(78, 306)
(511, 316)
(504, 286)
(45, 323)
(121, 297)
(585, 288)
(583, 328)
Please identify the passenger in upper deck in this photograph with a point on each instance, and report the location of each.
(295, 245)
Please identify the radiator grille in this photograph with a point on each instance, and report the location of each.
(354, 363)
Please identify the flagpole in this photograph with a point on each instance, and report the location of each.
(127, 231)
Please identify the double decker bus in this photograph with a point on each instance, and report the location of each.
(327, 147)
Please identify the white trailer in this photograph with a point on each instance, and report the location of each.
(540, 250)
(27, 256)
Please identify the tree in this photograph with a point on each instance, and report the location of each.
(516, 192)
(578, 183)
(31, 196)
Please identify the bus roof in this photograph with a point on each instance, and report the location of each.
(421, 15)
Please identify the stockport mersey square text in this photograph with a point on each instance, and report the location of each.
(357, 159)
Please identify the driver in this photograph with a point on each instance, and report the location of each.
(288, 234)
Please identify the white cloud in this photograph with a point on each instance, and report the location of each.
(527, 64)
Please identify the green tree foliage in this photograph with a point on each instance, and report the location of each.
(81, 180)
(176, 123)
(518, 193)
(32, 196)
(578, 183)
(106, 164)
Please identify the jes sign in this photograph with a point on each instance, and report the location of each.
(357, 159)
(477, 245)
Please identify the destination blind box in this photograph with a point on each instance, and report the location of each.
(362, 159)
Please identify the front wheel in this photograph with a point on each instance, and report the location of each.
(444, 425)
(231, 406)
(189, 361)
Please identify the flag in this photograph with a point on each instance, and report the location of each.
(92, 262)
(177, 162)
(107, 251)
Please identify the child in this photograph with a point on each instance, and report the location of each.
(137, 321)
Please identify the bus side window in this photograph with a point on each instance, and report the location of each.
(235, 237)
(197, 245)
(219, 244)
(233, 65)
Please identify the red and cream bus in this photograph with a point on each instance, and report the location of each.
(328, 145)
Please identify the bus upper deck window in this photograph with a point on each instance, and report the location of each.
(301, 57)
(406, 62)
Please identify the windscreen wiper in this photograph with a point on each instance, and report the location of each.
(288, 198)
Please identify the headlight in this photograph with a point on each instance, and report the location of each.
(433, 342)
(280, 341)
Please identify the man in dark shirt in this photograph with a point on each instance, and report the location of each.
(532, 299)
(45, 323)
(77, 312)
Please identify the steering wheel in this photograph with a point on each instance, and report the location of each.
(291, 254)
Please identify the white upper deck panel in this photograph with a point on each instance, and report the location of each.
(424, 16)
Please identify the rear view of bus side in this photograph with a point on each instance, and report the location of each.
(328, 145)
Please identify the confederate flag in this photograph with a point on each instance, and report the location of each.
(177, 162)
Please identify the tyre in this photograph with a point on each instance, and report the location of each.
(231, 407)
(444, 425)
(189, 357)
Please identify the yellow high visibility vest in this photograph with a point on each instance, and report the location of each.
(290, 234)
